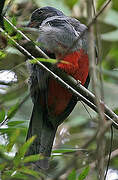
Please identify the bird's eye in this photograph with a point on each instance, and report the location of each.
(40, 12)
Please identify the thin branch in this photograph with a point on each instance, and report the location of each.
(93, 74)
(40, 51)
(90, 23)
(100, 12)
(42, 54)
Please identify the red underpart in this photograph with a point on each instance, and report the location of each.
(58, 96)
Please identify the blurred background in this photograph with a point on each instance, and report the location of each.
(81, 125)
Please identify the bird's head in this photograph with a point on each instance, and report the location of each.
(40, 14)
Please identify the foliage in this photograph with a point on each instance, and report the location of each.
(15, 106)
(14, 167)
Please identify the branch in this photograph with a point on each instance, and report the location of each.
(90, 23)
(71, 84)
(77, 89)
(91, 52)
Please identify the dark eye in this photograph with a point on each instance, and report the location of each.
(40, 12)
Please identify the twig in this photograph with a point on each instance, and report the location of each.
(91, 53)
(90, 23)
(42, 54)
(113, 155)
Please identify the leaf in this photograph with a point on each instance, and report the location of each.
(12, 111)
(22, 150)
(100, 3)
(84, 174)
(2, 54)
(17, 37)
(2, 115)
(110, 36)
(56, 4)
(115, 4)
(111, 18)
(33, 61)
(14, 21)
(32, 158)
(71, 3)
(2, 166)
(18, 175)
(11, 174)
(13, 139)
(64, 150)
(72, 175)
(30, 172)
(15, 123)
(8, 27)
(13, 93)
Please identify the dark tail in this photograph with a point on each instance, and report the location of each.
(45, 133)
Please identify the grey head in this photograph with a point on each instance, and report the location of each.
(40, 14)
(57, 35)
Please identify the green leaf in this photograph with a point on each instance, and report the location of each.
(14, 21)
(72, 175)
(13, 139)
(2, 115)
(84, 173)
(18, 37)
(11, 174)
(18, 175)
(8, 27)
(71, 3)
(111, 36)
(15, 123)
(30, 172)
(2, 166)
(33, 61)
(2, 54)
(115, 4)
(55, 3)
(32, 158)
(100, 3)
(12, 111)
(64, 150)
(111, 18)
(22, 150)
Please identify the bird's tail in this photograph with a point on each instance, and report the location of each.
(45, 133)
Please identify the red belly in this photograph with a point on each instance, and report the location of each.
(58, 96)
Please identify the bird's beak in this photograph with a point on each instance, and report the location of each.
(32, 24)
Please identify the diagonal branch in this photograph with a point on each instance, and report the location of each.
(70, 83)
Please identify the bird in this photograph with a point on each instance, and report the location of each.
(52, 103)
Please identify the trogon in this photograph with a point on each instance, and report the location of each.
(52, 102)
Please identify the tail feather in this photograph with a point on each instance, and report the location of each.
(35, 128)
(47, 138)
(45, 133)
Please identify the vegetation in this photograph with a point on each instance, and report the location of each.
(79, 138)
